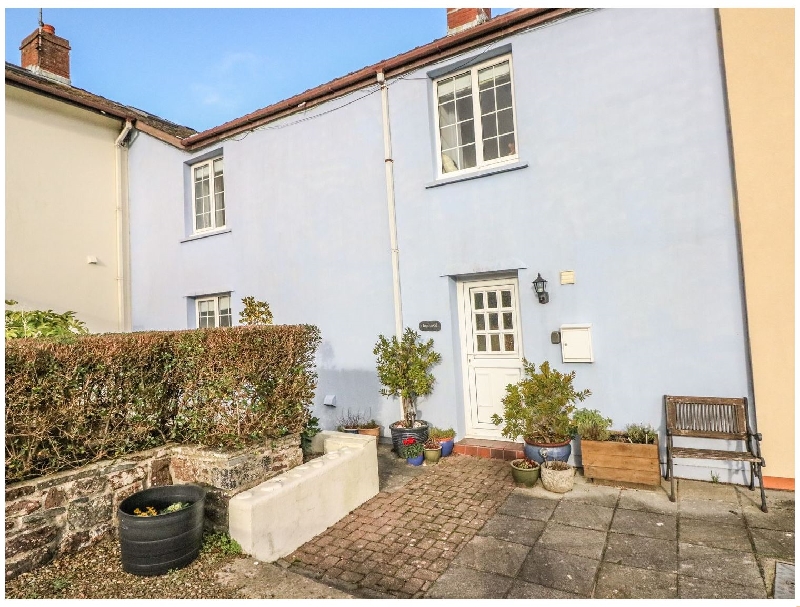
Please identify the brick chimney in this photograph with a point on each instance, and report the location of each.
(460, 19)
(46, 54)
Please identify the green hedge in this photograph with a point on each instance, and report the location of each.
(101, 396)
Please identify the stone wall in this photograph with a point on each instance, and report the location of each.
(68, 511)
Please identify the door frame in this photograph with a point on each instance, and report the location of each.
(465, 325)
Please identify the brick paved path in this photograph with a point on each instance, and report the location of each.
(399, 542)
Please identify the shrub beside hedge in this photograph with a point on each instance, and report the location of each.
(102, 396)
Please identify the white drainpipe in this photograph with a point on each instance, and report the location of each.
(121, 193)
(389, 164)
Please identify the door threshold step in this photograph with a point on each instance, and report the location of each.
(491, 449)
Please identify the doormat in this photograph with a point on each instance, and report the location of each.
(784, 580)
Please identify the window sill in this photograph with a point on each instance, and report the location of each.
(514, 166)
(205, 235)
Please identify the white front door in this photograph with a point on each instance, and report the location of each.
(490, 339)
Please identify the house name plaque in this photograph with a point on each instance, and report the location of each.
(430, 325)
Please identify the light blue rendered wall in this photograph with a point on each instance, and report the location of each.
(621, 121)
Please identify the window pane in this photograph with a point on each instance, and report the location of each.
(490, 149)
(502, 73)
(479, 301)
(481, 343)
(508, 322)
(495, 343)
(480, 322)
(224, 305)
(508, 338)
(504, 96)
(489, 125)
(491, 299)
(505, 297)
(447, 114)
(485, 78)
(445, 90)
(448, 163)
(508, 147)
(469, 156)
(464, 108)
(449, 137)
(505, 121)
(493, 326)
(487, 101)
(466, 131)
(463, 85)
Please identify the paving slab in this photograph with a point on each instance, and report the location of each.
(573, 540)
(774, 543)
(710, 510)
(580, 514)
(526, 590)
(649, 501)
(707, 490)
(591, 493)
(719, 565)
(642, 552)
(258, 580)
(784, 581)
(621, 582)
(523, 504)
(716, 535)
(465, 583)
(492, 555)
(775, 498)
(776, 518)
(513, 529)
(559, 570)
(648, 524)
(695, 588)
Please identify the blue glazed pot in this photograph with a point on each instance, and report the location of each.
(416, 461)
(556, 451)
(447, 447)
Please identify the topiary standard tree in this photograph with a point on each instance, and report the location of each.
(404, 369)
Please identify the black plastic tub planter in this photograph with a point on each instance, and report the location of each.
(152, 545)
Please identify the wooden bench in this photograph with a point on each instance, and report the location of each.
(717, 418)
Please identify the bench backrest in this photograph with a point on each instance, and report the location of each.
(707, 417)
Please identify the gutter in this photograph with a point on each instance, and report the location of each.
(437, 50)
(120, 150)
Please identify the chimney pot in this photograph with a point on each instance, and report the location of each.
(46, 54)
(460, 19)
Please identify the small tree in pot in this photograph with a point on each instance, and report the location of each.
(539, 408)
(404, 370)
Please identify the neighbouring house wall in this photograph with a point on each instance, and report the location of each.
(66, 512)
(60, 208)
(621, 121)
(758, 47)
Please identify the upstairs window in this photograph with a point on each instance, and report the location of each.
(208, 190)
(214, 312)
(475, 124)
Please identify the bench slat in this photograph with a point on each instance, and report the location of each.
(738, 456)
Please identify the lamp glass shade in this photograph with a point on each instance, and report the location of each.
(539, 284)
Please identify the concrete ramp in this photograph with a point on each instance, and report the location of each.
(276, 517)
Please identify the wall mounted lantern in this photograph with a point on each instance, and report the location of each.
(540, 286)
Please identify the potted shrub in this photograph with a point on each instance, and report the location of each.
(445, 438)
(557, 476)
(539, 408)
(371, 428)
(412, 450)
(630, 456)
(432, 451)
(404, 370)
(525, 472)
(350, 422)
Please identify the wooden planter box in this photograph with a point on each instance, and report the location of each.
(626, 462)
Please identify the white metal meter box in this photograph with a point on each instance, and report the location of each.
(576, 343)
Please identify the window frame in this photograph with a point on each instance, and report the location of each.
(212, 195)
(215, 300)
(476, 117)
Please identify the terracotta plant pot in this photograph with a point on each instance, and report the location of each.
(376, 432)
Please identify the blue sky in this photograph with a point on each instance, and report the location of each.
(203, 67)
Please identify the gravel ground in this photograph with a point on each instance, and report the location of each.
(96, 573)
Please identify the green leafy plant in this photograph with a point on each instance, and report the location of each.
(255, 312)
(440, 434)
(714, 477)
(411, 448)
(525, 464)
(310, 430)
(539, 406)
(61, 583)
(404, 370)
(39, 323)
(432, 443)
(369, 425)
(591, 425)
(221, 543)
(641, 434)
